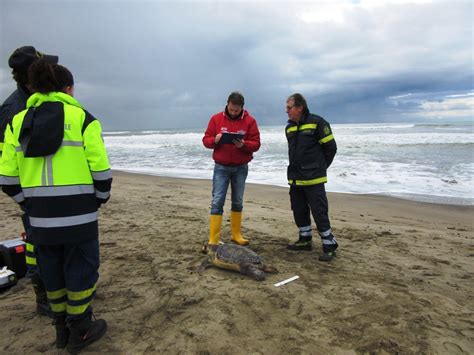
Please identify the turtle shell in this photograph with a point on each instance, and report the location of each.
(235, 254)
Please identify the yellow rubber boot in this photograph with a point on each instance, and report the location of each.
(235, 223)
(215, 229)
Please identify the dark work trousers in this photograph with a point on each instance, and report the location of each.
(70, 273)
(30, 255)
(306, 199)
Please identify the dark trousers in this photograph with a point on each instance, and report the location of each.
(70, 273)
(30, 255)
(310, 199)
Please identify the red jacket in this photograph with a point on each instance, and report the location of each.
(229, 154)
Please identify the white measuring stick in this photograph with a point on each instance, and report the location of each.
(278, 284)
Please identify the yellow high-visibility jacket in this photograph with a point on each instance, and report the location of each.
(54, 164)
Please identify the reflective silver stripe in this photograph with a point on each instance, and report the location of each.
(49, 162)
(326, 233)
(43, 173)
(19, 197)
(72, 144)
(102, 175)
(9, 180)
(306, 231)
(63, 221)
(45, 191)
(329, 241)
(102, 195)
(63, 144)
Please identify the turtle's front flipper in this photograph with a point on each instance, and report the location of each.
(252, 271)
(204, 265)
(270, 269)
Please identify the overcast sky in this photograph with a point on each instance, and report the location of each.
(171, 64)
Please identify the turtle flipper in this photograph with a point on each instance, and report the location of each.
(252, 271)
(204, 265)
(270, 269)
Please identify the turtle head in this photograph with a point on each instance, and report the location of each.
(209, 249)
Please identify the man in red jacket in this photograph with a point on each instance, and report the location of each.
(234, 136)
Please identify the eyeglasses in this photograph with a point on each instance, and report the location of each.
(288, 108)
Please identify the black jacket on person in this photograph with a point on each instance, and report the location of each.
(14, 104)
(311, 150)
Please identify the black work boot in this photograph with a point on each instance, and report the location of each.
(329, 246)
(84, 332)
(42, 304)
(301, 244)
(43, 309)
(327, 256)
(62, 331)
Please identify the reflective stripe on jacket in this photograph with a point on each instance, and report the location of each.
(61, 191)
(311, 150)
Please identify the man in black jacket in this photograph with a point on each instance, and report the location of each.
(311, 150)
(20, 61)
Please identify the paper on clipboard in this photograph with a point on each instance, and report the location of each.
(227, 137)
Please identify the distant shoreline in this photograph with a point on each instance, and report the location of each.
(421, 123)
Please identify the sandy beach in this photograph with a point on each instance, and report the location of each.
(402, 282)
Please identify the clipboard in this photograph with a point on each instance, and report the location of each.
(227, 137)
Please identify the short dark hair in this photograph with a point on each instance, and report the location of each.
(236, 98)
(45, 77)
(299, 101)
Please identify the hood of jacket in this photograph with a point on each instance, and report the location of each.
(240, 116)
(42, 130)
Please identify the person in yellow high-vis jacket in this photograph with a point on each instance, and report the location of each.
(55, 165)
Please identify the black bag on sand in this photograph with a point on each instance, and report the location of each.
(12, 255)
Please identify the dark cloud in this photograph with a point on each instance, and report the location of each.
(165, 64)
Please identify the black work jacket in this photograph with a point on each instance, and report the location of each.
(311, 150)
(14, 104)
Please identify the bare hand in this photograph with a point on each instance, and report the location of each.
(239, 143)
(217, 138)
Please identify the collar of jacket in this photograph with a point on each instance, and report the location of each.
(38, 98)
(301, 121)
(240, 117)
(23, 92)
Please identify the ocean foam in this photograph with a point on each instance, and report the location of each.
(404, 160)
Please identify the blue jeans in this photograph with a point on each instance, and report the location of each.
(223, 174)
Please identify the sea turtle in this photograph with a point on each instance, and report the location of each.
(236, 258)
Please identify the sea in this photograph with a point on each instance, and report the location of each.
(421, 162)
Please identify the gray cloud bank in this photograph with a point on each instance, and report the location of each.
(171, 64)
